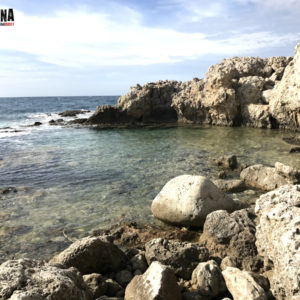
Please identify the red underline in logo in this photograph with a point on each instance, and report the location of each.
(7, 24)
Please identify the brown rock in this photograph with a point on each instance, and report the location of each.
(91, 255)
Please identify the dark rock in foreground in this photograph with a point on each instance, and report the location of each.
(91, 255)
(183, 257)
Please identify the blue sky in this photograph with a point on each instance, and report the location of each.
(97, 47)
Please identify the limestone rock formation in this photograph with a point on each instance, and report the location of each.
(278, 238)
(232, 236)
(251, 91)
(186, 200)
(242, 285)
(158, 282)
(181, 256)
(91, 255)
(32, 279)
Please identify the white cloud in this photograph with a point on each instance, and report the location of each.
(81, 39)
(288, 5)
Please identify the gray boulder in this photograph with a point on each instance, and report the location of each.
(208, 280)
(158, 282)
(278, 238)
(232, 235)
(186, 200)
(91, 255)
(183, 257)
(30, 279)
(262, 177)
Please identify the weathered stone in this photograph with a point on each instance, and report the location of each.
(183, 257)
(226, 161)
(242, 285)
(230, 186)
(96, 284)
(139, 262)
(91, 255)
(186, 200)
(31, 279)
(123, 277)
(262, 177)
(158, 282)
(208, 279)
(232, 235)
(278, 238)
(291, 174)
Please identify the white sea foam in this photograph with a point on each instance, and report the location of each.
(25, 126)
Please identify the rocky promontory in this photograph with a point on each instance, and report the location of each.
(247, 91)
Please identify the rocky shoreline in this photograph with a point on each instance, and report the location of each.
(222, 248)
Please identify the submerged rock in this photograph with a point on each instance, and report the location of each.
(91, 255)
(226, 161)
(186, 200)
(278, 238)
(31, 279)
(158, 282)
(230, 186)
(183, 257)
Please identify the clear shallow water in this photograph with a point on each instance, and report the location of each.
(76, 180)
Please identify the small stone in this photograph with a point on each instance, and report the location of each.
(113, 288)
(158, 282)
(96, 283)
(208, 279)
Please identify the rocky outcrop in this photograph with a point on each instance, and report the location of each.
(31, 279)
(91, 255)
(232, 236)
(73, 113)
(181, 256)
(256, 92)
(242, 285)
(278, 239)
(186, 200)
(269, 178)
(158, 282)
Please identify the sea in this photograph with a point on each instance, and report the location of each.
(67, 182)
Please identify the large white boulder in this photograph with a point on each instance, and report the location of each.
(278, 238)
(187, 199)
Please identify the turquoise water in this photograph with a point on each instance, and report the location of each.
(75, 180)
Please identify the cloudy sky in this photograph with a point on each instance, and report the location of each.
(97, 47)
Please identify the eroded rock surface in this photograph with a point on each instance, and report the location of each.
(278, 238)
(181, 256)
(31, 279)
(91, 255)
(232, 235)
